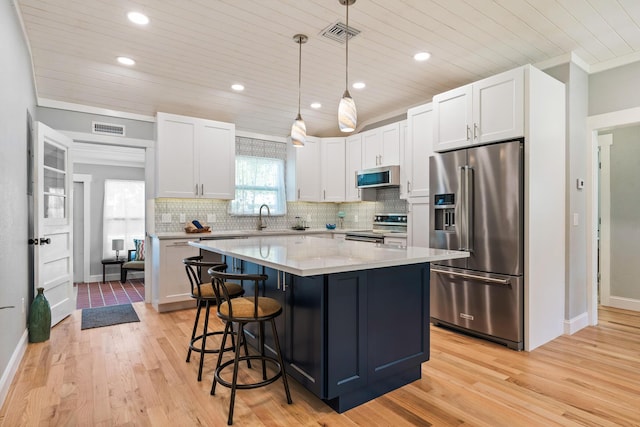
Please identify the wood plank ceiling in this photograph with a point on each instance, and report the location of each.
(192, 51)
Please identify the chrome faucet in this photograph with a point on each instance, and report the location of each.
(262, 224)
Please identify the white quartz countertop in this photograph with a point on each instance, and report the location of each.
(306, 255)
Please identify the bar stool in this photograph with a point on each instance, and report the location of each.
(203, 293)
(242, 311)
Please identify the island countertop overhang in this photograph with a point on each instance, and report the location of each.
(310, 256)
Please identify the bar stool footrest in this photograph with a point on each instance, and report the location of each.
(198, 338)
(271, 380)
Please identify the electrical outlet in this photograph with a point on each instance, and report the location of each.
(166, 217)
(183, 218)
(211, 218)
(22, 305)
(356, 218)
(308, 217)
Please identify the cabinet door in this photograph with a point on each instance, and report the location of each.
(305, 182)
(305, 331)
(418, 223)
(175, 172)
(347, 332)
(452, 119)
(498, 107)
(371, 148)
(174, 284)
(216, 159)
(418, 148)
(353, 163)
(390, 149)
(333, 169)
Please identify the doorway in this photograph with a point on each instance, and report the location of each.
(597, 125)
(619, 221)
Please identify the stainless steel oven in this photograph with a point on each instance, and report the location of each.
(383, 223)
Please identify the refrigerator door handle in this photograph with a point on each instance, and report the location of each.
(468, 194)
(461, 231)
(505, 282)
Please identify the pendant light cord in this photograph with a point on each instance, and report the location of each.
(346, 81)
(299, 71)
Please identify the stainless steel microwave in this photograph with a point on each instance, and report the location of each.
(384, 176)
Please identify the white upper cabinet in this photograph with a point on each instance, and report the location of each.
(353, 163)
(489, 110)
(194, 158)
(332, 152)
(381, 146)
(417, 149)
(303, 171)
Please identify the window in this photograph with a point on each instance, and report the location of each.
(259, 180)
(123, 216)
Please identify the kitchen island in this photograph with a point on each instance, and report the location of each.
(355, 321)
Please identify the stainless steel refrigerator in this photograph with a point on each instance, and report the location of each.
(477, 206)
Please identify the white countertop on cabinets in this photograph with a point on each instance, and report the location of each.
(308, 255)
(224, 234)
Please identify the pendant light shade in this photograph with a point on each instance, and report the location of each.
(299, 129)
(347, 114)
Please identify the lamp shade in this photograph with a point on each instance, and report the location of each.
(347, 114)
(117, 244)
(298, 132)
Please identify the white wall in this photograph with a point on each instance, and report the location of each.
(17, 96)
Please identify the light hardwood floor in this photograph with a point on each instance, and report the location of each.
(135, 374)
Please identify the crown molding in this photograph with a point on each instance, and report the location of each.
(62, 105)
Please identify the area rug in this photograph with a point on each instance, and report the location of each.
(107, 316)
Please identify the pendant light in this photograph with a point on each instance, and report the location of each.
(299, 129)
(347, 114)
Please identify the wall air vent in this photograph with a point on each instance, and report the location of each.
(108, 129)
(338, 32)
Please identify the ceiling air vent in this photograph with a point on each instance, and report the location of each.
(108, 129)
(338, 32)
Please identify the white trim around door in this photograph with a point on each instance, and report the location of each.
(86, 209)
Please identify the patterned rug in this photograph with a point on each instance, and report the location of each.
(98, 294)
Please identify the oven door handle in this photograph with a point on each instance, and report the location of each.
(504, 282)
(364, 239)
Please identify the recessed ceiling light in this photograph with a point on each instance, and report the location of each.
(422, 56)
(237, 87)
(138, 18)
(126, 61)
(316, 105)
(359, 85)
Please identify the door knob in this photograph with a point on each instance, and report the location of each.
(33, 241)
(44, 241)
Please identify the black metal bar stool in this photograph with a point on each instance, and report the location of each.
(202, 292)
(242, 311)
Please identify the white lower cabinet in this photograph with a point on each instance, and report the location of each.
(418, 222)
(172, 290)
(396, 241)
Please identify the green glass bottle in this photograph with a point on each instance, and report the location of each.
(39, 318)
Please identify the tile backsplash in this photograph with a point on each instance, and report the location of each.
(215, 213)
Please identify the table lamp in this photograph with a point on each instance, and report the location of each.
(117, 245)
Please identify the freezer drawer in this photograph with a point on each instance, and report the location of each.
(487, 305)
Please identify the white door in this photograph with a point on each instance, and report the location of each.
(53, 221)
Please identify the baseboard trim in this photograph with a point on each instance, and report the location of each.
(572, 326)
(624, 303)
(10, 372)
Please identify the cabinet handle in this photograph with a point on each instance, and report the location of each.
(196, 189)
(284, 282)
(475, 131)
(278, 277)
(468, 133)
(408, 186)
(202, 189)
(298, 193)
(324, 194)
